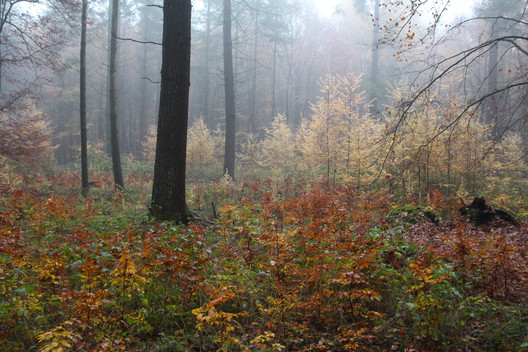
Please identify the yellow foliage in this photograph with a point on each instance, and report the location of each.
(338, 138)
(277, 152)
(250, 151)
(59, 338)
(149, 144)
(200, 146)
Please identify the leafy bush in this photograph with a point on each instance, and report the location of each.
(286, 266)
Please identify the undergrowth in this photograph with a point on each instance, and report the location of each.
(284, 267)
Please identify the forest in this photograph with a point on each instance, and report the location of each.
(263, 175)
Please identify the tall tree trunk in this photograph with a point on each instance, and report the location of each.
(2, 21)
(143, 120)
(114, 136)
(1, 68)
(206, 114)
(253, 94)
(327, 114)
(168, 191)
(229, 85)
(102, 119)
(107, 146)
(274, 81)
(374, 73)
(490, 115)
(289, 117)
(82, 99)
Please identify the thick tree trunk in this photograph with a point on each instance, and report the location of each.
(168, 192)
(114, 135)
(82, 99)
(229, 84)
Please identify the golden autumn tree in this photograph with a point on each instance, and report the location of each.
(277, 148)
(441, 146)
(200, 148)
(336, 142)
(321, 140)
(249, 155)
(362, 132)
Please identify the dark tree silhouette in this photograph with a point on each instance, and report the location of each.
(168, 191)
(229, 84)
(114, 135)
(82, 102)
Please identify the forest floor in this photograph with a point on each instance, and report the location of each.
(283, 267)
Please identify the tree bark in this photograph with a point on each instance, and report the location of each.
(143, 120)
(82, 90)
(253, 94)
(168, 191)
(374, 73)
(206, 114)
(229, 85)
(274, 81)
(114, 135)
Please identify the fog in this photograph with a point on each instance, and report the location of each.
(419, 72)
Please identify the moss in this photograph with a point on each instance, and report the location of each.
(410, 215)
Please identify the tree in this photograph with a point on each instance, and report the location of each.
(362, 7)
(114, 134)
(229, 85)
(25, 143)
(82, 102)
(168, 190)
(278, 153)
(500, 54)
(200, 149)
(340, 133)
(148, 57)
(253, 85)
(374, 70)
(30, 43)
(276, 26)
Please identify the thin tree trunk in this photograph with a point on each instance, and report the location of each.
(492, 104)
(1, 68)
(82, 99)
(143, 121)
(327, 113)
(2, 19)
(107, 137)
(252, 100)
(206, 114)
(289, 117)
(102, 120)
(114, 136)
(273, 81)
(229, 84)
(374, 73)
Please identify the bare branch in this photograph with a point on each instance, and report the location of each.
(135, 40)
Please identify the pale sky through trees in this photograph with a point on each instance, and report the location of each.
(457, 8)
(327, 7)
